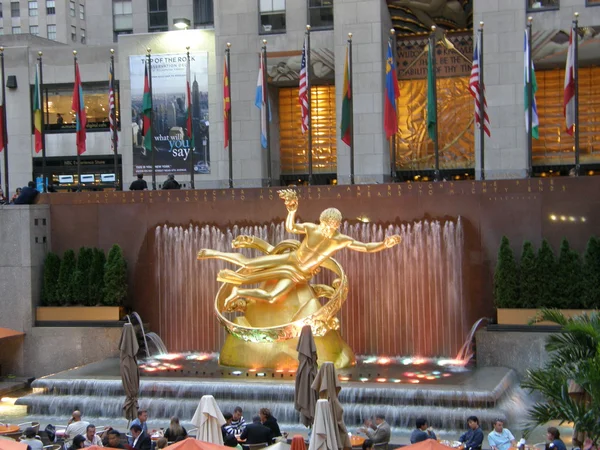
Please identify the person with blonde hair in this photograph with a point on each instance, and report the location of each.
(161, 443)
(175, 430)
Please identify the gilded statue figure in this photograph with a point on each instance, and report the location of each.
(285, 300)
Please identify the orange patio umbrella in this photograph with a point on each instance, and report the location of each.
(9, 444)
(429, 444)
(195, 444)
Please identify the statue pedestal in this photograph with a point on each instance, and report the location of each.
(283, 355)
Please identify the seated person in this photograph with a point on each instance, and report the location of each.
(367, 445)
(256, 432)
(229, 438)
(91, 438)
(75, 426)
(501, 438)
(238, 423)
(421, 433)
(141, 440)
(378, 432)
(555, 442)
(472, 439)
(270, 422)
(30, 439)
(78, 442)
(162, 443)
(113, 439)
(175, 430)
(28, 195)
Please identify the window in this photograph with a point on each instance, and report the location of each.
(158, 19)
(73, 33)
(15, 10)
(16, 30)
(116, 34)
(82, 12)
(1, 31)
(320, 13)
(272, 16)
(59, 98)
(72, 8)
(33, 9)
(542, 5)
(34, 29)
(292, 142)
(50, 7)
(82, 36)
(203, 13)
(122, 18)
(51, 30)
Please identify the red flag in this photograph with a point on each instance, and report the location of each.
(303, 91)
(79, 107)
(569, 94)
(226, 102)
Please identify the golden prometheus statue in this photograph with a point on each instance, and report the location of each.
(275, 311)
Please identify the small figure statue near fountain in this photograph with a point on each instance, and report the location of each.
(275, 312)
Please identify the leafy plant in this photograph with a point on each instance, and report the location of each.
(115, 278)
(528, 281)
(570, 286)
(51, 274)
(546, 281)
(574, 361)
(65, 278)
(81, 276)
(96, 277)
(591, 274)
(506, 281)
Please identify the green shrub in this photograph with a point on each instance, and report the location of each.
(570, 285)
(506, 282)
(591, 274)
(115, 278)
(81, 276)
(546, 268)
(51, 274)
(528, 277)
(65, 278)
(96, 277)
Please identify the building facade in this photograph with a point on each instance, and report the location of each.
(130, 27)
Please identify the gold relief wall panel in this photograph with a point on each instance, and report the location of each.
(555, 146)
(293, 143)
(414, 148)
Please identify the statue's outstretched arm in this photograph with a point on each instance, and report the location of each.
(291, 203)
(373, 247)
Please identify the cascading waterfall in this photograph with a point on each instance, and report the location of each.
(407, 300)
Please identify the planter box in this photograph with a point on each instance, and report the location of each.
(79, 313)
(522, 316)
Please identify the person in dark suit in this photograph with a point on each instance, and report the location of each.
(139, 184)
(171, 183)
(141, 440)
(28, 195)
(256, 433)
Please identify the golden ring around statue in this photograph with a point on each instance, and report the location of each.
(321, 321)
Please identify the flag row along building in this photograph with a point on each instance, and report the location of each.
(367, 92)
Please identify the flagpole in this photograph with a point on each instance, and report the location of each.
(576, 78)
(351, 108)
(482, 111)
(190, 111)
(113, 117)
(268, 112)
(42, 131)
(309, 96)
(432, 45)
(229, 131)
(530, 99)
(151, 131)
(4, 130)
(77, 118)
(392, 40)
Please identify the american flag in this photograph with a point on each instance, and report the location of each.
(112, 111)
(474, 89)
(303, 92)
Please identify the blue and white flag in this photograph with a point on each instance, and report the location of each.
(260, 103)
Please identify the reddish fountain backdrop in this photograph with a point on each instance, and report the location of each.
(408, 300)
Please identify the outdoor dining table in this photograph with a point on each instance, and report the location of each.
(8, 428)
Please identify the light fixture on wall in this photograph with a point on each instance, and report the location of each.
(181, 24)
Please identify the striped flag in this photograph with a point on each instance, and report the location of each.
(147, 110)
(3, 134)
(569, 95)
(226, 102)
(346, 126)
(260, 103)
(474, 85)
(303, 91)
(112, 110)
(37, 111)
(188, 106)
(530, 77)
(78, 106)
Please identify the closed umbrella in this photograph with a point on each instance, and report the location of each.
(305, 398)
(298, 442)
(209, 419)
(324, 433)
(130, 375)
(327, 385)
